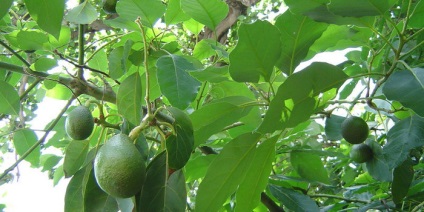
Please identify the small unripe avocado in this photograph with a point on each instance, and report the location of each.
(109, 6)
(354, 130)
(119, 168)
(361, 153)
(79, 123)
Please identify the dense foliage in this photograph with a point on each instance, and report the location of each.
(213, 97)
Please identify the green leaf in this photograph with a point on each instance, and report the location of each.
(293, 200)
(9, 99)
(212, 74)
(27, 40)
(5, 8)
(407, 87)
(117, 63)
(149, 11)
(249, 192)
(174, 14)
(48, 14)
(84, 13)
(49, 161)
(204, 49)
(332, 127)
(95, 199)
(360, 8)
(74, 199)
(298, 33)
(180, 146)
(309, 166)
(44, 64)
(417, 18)
(224, 174)
(175, 192)
(75, 155)
(193, 26)
(207, 12)
(214, 116)
(402, 179)
(379, 168)
(129, 98)
(256, 52)
(293, 104)
(196, 167)
(401, 138)
(175, 83)
(23, 140)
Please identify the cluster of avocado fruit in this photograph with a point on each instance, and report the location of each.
(119, 167)
(355, 131)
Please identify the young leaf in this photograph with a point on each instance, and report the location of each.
(23, 140)
(175, 82)
(401, 138)
(207, 12)
(298, 33)
(129, 98)
(402, 179)
(224, 174)
(47, 14)
(49, 161)
(180, 146)
(296, 98)
(293, 200)
(84, 13)
(309, 166)
(213, 117)
(407, 87)
(248, 194)
(149, 11)
(256, 52)
(75, 155)
(9, 98)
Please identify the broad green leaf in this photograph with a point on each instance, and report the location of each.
(212, 74)
(299, 96)
(360, 8)
(74, 199)
(175, 82)
(59, 92)
(401, 138)
(293, 200)
(5, 8)
(379, 168)
(75, 155)
(193, 26)
(224, 174)
(149, 11)
(417, 18)
(203, 49)
(174, 14)
(298, 33)
(402, 179)
(248, 194)
(256, 52)
(23, 140)
(9, 99)
(27, 40)
(407, 87)
(49, 161)
(207, 12)
(62, 41)
(332, 127)
(95, 199)
(309, 166)
(196, 167)
(215, 116)
(48, 14)
(153, 191)
(117, 63)
(129, 98)
(318, 10)
(44, 64)
(84, 13)
(175, 192)
(99, 61)
(180, 145)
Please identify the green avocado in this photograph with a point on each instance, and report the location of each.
(355, 130)
(119, 168)
(109, 6)
(79, 123)
(361, 153)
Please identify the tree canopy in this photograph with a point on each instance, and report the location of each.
(214, 98)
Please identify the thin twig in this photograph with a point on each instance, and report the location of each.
(146, 66)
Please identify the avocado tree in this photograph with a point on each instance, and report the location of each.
(182, 105)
